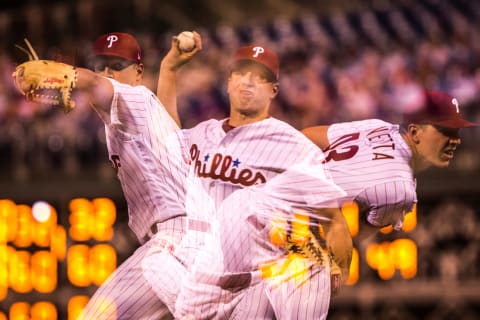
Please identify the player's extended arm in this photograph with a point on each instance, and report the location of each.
(337, 238)
(318, 135)
(98, 88)
(167, 79)
(339, 245)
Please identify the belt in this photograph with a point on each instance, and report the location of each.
(178, 223)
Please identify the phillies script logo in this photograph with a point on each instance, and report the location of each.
(224, 168)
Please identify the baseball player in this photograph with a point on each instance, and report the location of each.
(376, 162)
(151, 173)
(246, 151)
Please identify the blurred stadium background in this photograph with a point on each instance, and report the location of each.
(340, 60)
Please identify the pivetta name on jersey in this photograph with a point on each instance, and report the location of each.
(379, 140)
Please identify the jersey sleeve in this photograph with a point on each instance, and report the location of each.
(387, 203)
(128, 111)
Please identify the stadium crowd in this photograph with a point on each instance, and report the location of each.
(341, 67)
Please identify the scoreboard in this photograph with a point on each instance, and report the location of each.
(39, 256)
(390, 254)
(49, 269)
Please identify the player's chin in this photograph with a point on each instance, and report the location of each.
(443, 162)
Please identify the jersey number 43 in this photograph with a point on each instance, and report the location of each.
(338, 151)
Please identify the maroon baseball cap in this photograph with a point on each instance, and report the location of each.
(118, 44)
(440, 109)
(261, 55)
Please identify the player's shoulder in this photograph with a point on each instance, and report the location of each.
(364, 129)
(360, 125)
(210, 123)
(123, 89)
(274, 122)
(281, 131)
(207, 130)
(277, 126)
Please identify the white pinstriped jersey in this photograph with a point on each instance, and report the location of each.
(370, 160)
(245, 156)
(141, 147)
(254, 173)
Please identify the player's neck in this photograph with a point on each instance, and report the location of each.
(239, 119)
(417, 163)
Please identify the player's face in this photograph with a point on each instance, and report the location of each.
(250, 91)
(437, 145)
(122, 70)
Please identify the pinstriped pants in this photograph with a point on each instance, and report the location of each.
(143, 287)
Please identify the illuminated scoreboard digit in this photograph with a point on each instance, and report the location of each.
(34, 246)
(388, 256)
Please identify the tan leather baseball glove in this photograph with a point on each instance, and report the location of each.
(45, 81)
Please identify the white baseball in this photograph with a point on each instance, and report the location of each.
(186, 42)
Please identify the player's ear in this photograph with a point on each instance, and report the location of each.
(139, 76)
(140, 68)
(275, 90)
(413, 132)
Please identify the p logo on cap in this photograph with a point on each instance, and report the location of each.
(259, 54)
(111, 39)
(258, 50)
(118, 44)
